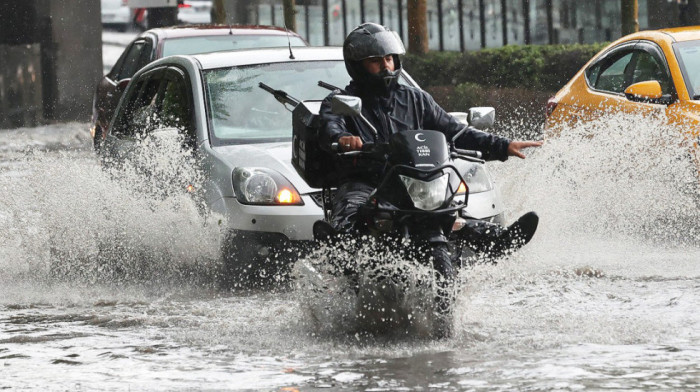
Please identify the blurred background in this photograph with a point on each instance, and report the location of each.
(51, 52)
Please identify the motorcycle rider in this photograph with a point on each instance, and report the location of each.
(372, 58)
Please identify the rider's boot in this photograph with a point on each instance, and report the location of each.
(324, 231)
(495, 240)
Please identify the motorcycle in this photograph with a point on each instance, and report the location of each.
(420, 204)
(417, 203)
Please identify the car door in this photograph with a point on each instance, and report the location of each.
(175, 134)
(137, 115)
(136, 56)
(176, 106)
(609, 77)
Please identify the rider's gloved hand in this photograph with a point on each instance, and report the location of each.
(350, 143)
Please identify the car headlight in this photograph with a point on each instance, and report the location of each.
(258, 185)
(426, 195)
(478, 180)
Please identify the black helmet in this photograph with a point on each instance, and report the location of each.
(372, 40)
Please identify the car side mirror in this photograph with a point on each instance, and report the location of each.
(482, 117)
(174, 137)
(644, 91)
(165, 134)
(346, 105)
(121, 85)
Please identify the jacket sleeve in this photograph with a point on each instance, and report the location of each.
(333, 126)
(491, 146)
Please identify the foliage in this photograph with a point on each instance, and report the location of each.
(536, 67)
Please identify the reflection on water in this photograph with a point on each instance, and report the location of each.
(605, 296)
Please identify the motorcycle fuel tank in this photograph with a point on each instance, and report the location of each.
(421, 149)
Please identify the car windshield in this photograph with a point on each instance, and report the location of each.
(688, 54)
(219, 43)
(242, 112)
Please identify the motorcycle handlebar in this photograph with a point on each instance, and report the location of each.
(366, 148)
(469, 153)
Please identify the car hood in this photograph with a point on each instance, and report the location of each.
(276, 156)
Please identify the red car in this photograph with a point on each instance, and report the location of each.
(162, 42)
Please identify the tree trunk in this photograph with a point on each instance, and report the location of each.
(290, 20)
(630, 22)
(689, 14)
(239, 10)
(218, 12)
(417, 11)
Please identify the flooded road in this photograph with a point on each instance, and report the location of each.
(104, 288)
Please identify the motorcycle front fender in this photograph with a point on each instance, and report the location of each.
(426, 235)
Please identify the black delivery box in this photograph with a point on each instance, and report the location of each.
(316, 166)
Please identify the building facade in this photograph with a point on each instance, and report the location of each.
(50, 60)
(471, 24)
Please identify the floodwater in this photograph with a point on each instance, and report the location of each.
(104, 287)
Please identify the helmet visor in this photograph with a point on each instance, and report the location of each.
(375, 45)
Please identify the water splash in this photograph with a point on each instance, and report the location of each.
(618, 212)
(621, 176)
(614, 260)
(392, 296)
(63, 215)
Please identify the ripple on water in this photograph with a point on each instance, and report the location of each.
(605, 296)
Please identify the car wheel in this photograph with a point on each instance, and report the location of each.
(248, 262)
(97, 140)
(445, 296)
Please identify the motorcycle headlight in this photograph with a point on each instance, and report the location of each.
(426, 195)
(257, 185)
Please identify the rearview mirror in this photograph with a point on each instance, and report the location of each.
(462, 117)
(165, 135)
(346, 105)
(170, 137)
(482, 117)
(121, 85)
(649, 90)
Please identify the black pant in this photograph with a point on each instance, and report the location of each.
(480, 236)
(347, 200)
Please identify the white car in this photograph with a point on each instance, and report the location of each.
(116, 13)
(195, 12)
(241, 137)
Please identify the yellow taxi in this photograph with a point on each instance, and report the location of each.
(648, 72)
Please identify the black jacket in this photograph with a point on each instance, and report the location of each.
(405, 108)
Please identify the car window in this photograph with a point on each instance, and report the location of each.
(612, 74)
(114, 72)
(176, 105)
(140, 113)
(648, 67)
(241, 112)
(688, 54)
(194, 45)
(137, 57)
